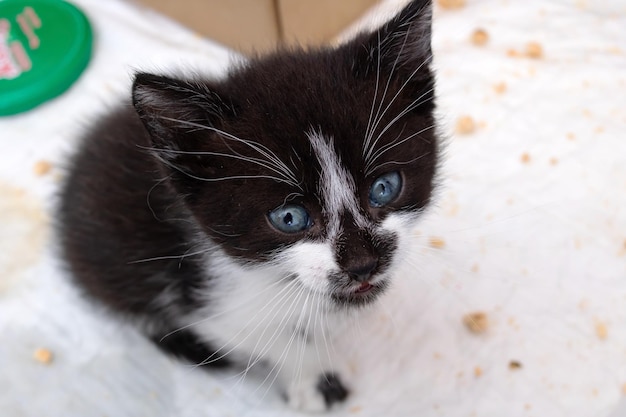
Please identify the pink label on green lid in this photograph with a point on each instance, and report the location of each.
(44, 47)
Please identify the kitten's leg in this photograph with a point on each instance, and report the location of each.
(309, 381)
(185, 345)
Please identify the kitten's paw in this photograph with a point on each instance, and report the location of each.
(316, 394)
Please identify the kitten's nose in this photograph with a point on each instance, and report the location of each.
(362, 272)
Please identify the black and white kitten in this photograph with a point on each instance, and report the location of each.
(225, 216)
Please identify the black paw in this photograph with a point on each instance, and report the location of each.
(331, 388)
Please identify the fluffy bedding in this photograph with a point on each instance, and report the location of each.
(512, 304)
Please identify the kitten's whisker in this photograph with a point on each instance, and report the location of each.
(413, 105)
(234, 177)
(230, 310)
(260, 148)
(243, 328)
(257, 161)
(162, 258)
(268, 345)
(369, 121)
(378, 167)
(402, 87)
(159, 182)
(281, 359)
(274, 337)
(392, 145)
(378, 116)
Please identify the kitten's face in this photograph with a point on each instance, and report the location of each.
(316, 163)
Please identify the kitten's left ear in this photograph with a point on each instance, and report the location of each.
(403, 44)
(172, 109)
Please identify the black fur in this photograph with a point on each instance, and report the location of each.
(332, 389)
(144, 194)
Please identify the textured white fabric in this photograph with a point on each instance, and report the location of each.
(530, 214)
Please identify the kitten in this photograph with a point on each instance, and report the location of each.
(227, 216)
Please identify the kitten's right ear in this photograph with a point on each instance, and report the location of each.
(402, 45)
(171, 109)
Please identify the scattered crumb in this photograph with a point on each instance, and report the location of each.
(479, 37)
(475, 268)
(465, 125)
(355, 409)
(476, 322)
(437, 355)
(436, 242)
(513, 323)
(525, 158)
(534, 50)
(527, 406)
(513, 53)
(478, 371)
(594, 392)
(577, 243)
(451, 4)
(43, 356)
(42, 167)
(500, 88)
(624, 388)
(571, 136)
(599, 129)
(554, 161)
(601, 330)
(514, 365)
(583, 305)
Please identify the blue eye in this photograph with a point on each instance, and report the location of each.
(385, 189)
(290, 218)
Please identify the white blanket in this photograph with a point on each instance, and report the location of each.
(530, 229)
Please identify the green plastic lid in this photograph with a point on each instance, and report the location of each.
(44, 46)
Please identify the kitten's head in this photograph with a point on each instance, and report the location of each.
(315, 162)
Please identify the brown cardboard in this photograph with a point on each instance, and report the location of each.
(245, 25)
(249, 25)
(318, 21)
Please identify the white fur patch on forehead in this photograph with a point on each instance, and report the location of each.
(336, 185)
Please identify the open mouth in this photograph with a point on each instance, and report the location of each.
(360, 295)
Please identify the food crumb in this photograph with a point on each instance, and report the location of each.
(527, 406)
(436, 242)
(601, 330)
(479, 37)
(356, 409)
(513, 53)
(513, 365)
(624, 388)
(475, 268)
(525, 158)
(43, 356)
(500, 88)
(476, 322)
(42, 167)
(534, 50)
(465, 125)
(478, 371)
(571, 136)
(554, 161)
(451, 4)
